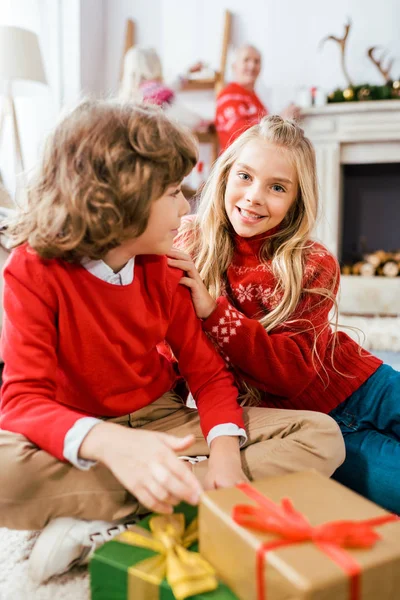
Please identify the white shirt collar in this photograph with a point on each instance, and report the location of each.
(99, 269)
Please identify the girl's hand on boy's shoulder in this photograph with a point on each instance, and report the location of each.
(145, 463)
(204, 304)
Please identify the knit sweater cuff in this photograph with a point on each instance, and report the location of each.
(216, 315)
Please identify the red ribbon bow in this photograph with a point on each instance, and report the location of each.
(294, 528)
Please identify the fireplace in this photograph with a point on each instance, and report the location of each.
(370, 212)
(357, 146)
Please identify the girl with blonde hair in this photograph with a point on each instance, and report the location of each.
(264, 291)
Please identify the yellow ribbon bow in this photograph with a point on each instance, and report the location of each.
(187, 573)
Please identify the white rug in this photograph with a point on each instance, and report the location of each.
(15, 583)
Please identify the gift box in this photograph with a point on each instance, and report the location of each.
(300, 536)
(135, 564)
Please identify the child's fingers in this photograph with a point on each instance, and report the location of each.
(171, 479)
(174, 260)
(173, 467)
(146, 498)
(161, 493)
(175, 253)
(195, 286)
(179, 469)
(185, 265)
(166, 478)
(188, 282)
(176, 443)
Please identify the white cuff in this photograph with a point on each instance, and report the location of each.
(227, 429)
(74, 439)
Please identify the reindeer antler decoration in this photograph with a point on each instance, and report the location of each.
(378, 63)
(342, 43)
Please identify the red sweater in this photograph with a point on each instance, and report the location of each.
(75, 346)
(280, 362)
(237, 110)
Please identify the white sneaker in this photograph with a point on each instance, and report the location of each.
(66, 542)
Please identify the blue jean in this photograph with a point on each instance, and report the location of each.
(370, 422)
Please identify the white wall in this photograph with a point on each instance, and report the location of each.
(286, 31)
(92, 45)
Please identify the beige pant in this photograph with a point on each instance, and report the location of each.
(35, 487)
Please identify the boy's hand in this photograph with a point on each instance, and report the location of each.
(224, 464)
(203, 303)
(145, 463)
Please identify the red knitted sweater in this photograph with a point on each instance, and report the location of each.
(237, 110)
(280, 363)
(76, 346)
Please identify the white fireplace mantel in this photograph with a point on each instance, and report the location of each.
(348, 133)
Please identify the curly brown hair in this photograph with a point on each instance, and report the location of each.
(103, 166)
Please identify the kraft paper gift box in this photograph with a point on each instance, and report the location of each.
(120, 570)
(306, 559)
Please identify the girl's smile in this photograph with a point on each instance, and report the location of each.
(248, 216)
(261, 188)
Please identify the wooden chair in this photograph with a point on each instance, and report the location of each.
(215, 83)
(128, 42)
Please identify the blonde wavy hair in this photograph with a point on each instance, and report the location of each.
(209, 240)
(102, 168)
(140, 64)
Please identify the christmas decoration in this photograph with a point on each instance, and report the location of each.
(378, 63)
(390, 90)
(348, 94)
(365, 91)
(342, 43)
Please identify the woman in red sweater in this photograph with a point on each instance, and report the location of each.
(267, 296)
(91, 423)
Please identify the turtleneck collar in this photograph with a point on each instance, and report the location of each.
(251, 246)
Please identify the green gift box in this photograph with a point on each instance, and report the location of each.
(113, 564)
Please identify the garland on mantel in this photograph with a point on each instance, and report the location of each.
(354, 93)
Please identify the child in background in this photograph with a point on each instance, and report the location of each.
(142, 81)
(90, 417)
(266, 298)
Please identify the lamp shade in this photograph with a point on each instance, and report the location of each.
(20, 56)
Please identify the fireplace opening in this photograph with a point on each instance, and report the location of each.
(370, 219)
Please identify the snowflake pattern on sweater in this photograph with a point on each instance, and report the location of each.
(227, 326)
(244, 292)
(256, 292)
(251, 286)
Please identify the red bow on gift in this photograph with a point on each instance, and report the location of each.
(294, 528)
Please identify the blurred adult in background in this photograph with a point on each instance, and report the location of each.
(142, 81)
(238, 106)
